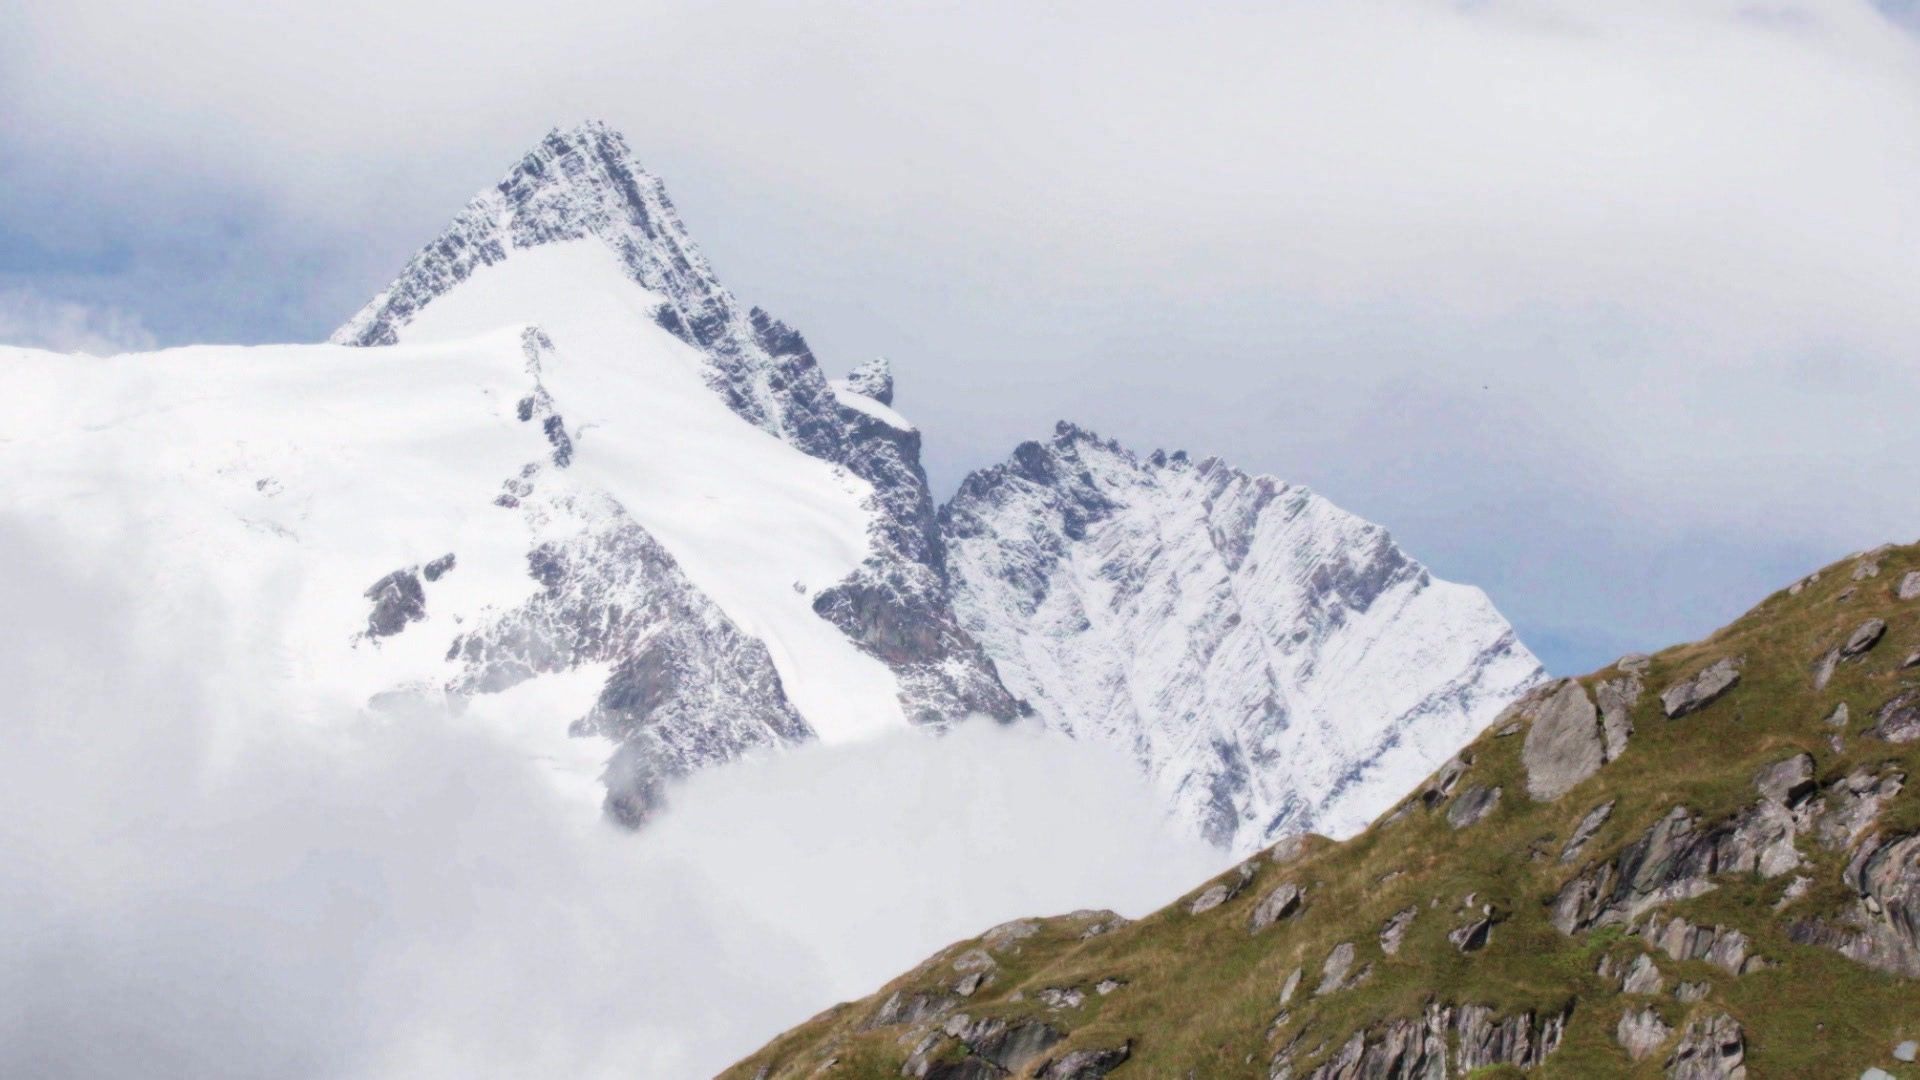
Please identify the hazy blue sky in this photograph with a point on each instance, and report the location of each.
(1608, 308)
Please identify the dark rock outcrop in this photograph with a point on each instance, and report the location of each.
(1473, 805)
(398, 599)
(1086, 1064)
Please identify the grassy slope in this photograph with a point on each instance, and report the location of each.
(1202, 992)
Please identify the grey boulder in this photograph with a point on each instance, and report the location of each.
(1700, 690)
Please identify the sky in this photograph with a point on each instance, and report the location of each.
(195, 882)
(1609, 309)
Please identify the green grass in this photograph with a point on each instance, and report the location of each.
(1202, 992)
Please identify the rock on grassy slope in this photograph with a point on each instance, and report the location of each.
(1702, 863)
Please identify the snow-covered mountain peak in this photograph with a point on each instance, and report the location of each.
(580, 240)
(1276, 663)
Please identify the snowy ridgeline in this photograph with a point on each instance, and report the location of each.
(1276, 663)
(558, 465)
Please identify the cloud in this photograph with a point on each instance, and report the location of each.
(196, 885)
(28, 318)
(1605, 307)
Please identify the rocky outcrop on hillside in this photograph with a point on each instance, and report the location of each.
(1731, 893)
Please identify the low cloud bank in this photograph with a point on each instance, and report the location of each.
(199, 887)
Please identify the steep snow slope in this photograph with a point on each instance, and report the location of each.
(383, 524)
(1275, 663)
(582, 187)
(756, 525)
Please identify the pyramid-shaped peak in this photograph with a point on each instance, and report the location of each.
(578, 183)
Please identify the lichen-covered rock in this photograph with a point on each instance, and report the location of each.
(1701, 689)
(1898, 721)
(1641, 1033)
(1713, 1047)
(1882, 928)
(1565, 745)
(1864, 638)
(1721, 946)
(1283, 902)
(1788, 781)
(1616, 698)
(1909, 588)
(1643, 977)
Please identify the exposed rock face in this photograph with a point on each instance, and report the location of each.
(1221, 892)
(1676, 859)
(1417, 1048)
(1584, 831)
(872, 379)
(583, 184)
(1282, 903)
(1565, 745)
(1850, 805)
(1519, 1040)
(1788, 781)
(1217, 624)
(1643, 977)
(1883, 928)
(1617, 698)
(1721, 946)
(1713, 1048)
(994, 1047)
(1642, 1033)
(1086, 1064)
(1473, 935)
(1474, 804)
(1909, 588)
(398, 599)
(687, 687)
(1864, 637)
(1394, 932)
(1333, 973)
(1700, 690)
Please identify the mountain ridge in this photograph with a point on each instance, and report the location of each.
(1700, 864)
(632, 482)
